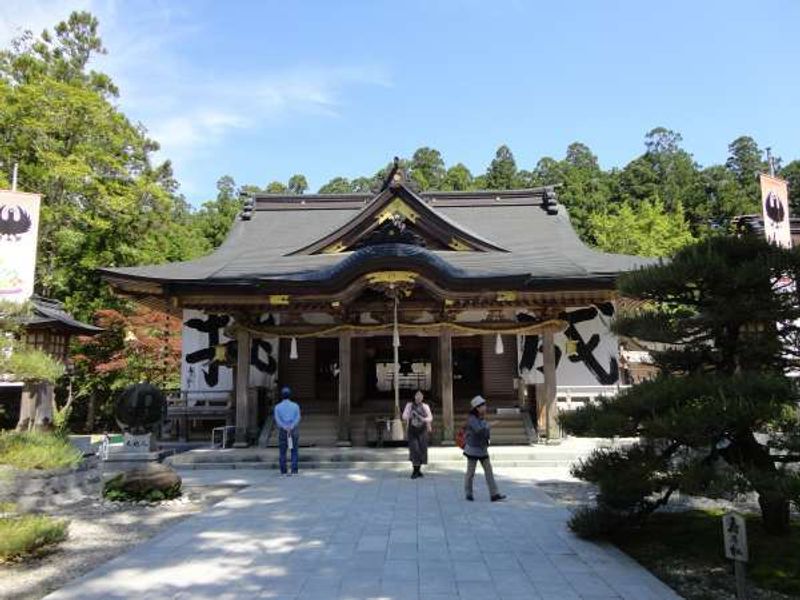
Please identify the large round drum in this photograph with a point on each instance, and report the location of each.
(140, 408)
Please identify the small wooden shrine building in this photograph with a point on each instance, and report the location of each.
(472, 286)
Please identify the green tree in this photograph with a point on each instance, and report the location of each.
(722, 415)
(584, 189)
(337, 185)
(276, 187)
(725, 198)
(791, 173)
(502, 172)
(298, 184)
(457, 178)
(215, 218)
(104, 202)
(363, 185)
(427, 169)
(745, 161)
(665, 172)
(135, 345)
(644, 229)
(62, 55)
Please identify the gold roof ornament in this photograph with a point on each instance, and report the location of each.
(391, 277)
(397, 207)
(458, 245)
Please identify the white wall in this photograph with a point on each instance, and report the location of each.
(587, 352)
(201, 369)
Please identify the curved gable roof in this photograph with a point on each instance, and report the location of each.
(280, 241)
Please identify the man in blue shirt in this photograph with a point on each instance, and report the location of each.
(287, 418)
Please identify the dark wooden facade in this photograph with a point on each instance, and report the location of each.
(451, 271)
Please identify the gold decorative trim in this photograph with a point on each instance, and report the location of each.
(507, 296)
(334, 248)
(279, 300)
(397, 207)
(391, 277)
(458, 245)
(554, 325)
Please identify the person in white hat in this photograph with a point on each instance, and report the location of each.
(476, 449)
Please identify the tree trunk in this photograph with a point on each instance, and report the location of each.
(90, 412)
(749, 456)
(37, 407)
(774, 512)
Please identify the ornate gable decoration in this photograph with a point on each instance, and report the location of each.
(399, 216)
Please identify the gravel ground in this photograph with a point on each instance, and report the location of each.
(691, 583)
(98, 532)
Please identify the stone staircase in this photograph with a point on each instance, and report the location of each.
(507, 429)
(318, 427)
(440, 458)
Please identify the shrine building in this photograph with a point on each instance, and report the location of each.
(355, 301)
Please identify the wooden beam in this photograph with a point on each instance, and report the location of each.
(446, 384)
(345, 370)
(242, 375)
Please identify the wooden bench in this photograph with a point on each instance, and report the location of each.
(184, 406)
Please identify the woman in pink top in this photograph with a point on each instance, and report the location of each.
(418, 418)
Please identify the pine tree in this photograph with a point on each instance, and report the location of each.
(722, 414)
(502, 172)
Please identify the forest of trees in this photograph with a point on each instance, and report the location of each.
(106, 202)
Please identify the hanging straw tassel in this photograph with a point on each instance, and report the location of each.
(293, 349)
(498, 344)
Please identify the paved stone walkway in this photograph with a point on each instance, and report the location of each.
(345, 534)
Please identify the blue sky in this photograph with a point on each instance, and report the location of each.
(261, 90)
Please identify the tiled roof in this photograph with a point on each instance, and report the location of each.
(538, 245)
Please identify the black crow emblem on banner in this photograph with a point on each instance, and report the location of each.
(775, 207)
(14, 221)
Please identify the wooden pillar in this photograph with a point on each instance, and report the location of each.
(345, 371)
(446, 384)
(242, 375)
(550, 407)
(522, 397)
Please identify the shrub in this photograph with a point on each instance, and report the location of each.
(30, 450)
(596, 522)
(20, 536)
(112, 490)
(28, 364)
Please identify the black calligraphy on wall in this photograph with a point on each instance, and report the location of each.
(211, 326)
(270, 365)
(216, 354)
(584, 349)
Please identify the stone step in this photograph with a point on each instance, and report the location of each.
(446, 457)
(398, 465)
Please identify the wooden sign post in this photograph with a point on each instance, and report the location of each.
(734, 532)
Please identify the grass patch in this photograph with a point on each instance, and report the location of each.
(676, 544)
(8, 507)
(28, 450)
(29, 534)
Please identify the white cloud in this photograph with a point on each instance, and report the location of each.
(187, 109)
(18, 15)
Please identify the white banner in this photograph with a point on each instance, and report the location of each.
(19, 232)
(587, 352)
(775, 207)
(207, 352)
